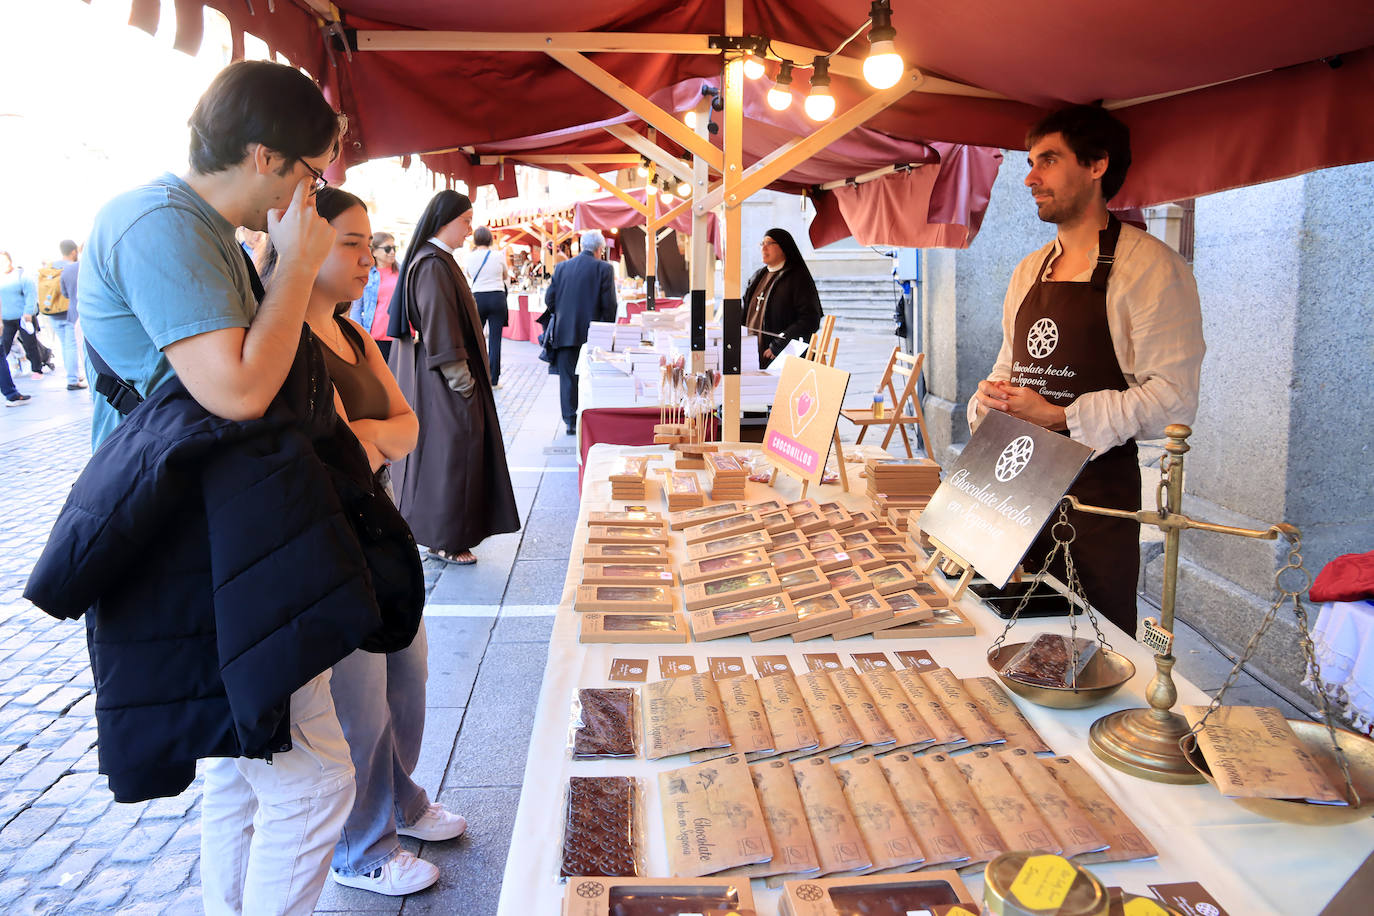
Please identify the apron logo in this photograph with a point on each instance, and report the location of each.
(1042, 338)
(1014, 458)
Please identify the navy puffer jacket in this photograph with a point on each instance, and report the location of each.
(220, 568)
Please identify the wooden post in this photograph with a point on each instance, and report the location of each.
(701, 246)
(733, 161)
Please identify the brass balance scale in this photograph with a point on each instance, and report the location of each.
(1156, 743)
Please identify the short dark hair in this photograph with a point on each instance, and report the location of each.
(1092, 133)
(481, 236)
(66, 246)
(329, 203)
(258, 101)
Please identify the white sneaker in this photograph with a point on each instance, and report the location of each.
(437, 823)
(402, 874)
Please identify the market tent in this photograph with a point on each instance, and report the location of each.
(1217, 95)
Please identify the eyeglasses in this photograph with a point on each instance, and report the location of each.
(320, 182)
(389, 249)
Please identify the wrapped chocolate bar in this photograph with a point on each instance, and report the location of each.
(788, 717)
(794, 852)
(682, 714)
(924, 813)
(933, 893)
(601, 831)
(657, 897)
(711, 818)
(839, 842)
(1051, 660)
(889, 838)
(604, 723)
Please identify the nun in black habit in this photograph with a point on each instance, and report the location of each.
(454, 489)
(780, 300)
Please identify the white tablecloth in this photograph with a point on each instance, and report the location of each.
(1251, 865)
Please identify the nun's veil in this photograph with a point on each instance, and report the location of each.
(443, 208)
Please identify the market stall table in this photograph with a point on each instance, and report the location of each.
(1250, 865)
(518, 320)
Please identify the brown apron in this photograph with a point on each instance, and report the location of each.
(1062, 348)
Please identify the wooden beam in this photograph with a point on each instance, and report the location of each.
(560, 159)
(586, 42)
(652, 151)
(779, 162)
(668, 216)
(618, 192)
(700, 261)
(732, 172)
(631, 100)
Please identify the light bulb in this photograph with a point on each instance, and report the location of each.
(667, 198)
(883, 67)
(691, 119)
(753, 67)
(779, 99)
(684, 189)
(651, 189)
(642, 172)
(820, 104)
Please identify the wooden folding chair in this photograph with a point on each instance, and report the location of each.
(905, 370)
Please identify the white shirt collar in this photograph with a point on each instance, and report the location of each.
(434, 240)
(773, 270)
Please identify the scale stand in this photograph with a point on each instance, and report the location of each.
(1145, 742)
(947, 559)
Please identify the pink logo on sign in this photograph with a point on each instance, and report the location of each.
(803, 405)
(793, 451)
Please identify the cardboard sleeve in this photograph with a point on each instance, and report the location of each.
(711, 818)
(788, 717)
(1068, 822)
(925, 815)
(862, 708)
(976, 830)
(794, 852)
(897, 709)
(1018, 821)
(1001, 710)
(962, 708)
(1125, 842)
(839, 842)
(928, 706)
(890, 840)
(682, 714)
(745, 718)
(836, 727)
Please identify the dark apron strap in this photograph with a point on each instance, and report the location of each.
(120, 393)
(1106, 254)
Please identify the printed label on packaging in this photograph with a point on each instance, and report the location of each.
(676, 665)
(919, 659)
(822, 661)
(1188, 897)
(721, 668)
(629, 669)
(871, 661)
(772, 664)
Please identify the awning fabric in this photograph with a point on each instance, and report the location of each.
(611, 212)
(1288, 88)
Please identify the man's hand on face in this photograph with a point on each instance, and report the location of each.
(1023, 403)
(301, 236)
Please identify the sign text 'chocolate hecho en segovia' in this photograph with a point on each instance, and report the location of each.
(1007, 483)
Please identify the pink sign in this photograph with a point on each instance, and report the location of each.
(793, 451)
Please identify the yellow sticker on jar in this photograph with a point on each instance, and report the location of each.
(1142, 906)
(959, 911)
(1043, 882)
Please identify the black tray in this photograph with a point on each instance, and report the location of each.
(1044, 600)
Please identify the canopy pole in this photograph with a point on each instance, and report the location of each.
(651, 256)
(732, 173)
(701, 177)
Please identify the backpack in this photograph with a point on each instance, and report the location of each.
(50, 298)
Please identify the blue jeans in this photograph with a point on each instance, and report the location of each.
(66, 335)
(380, 700)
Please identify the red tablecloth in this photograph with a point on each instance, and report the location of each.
(635, 306)
(518, 320)
(617, 426)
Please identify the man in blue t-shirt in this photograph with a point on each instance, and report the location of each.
(165, 290)
(64, 323)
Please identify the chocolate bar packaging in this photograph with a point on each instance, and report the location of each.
(1001, 710)
(605, 724)
(600, 829)
(646, 554)
(794, 852)
(714, 896)
(1125, 842)
(711, 818)
(1070, 824)
(976, 830)
(626, 517)
(1051, 660)
(686, 519)
(682, 714)
(732, 588)
(888, 837)
(733, 544)
(849, 581)
(725, 564)
(836, 727)
(724, 527)
(745, 718)
(788, 717)
(595, 627)
(862, 708)
(1017, 820)
(742, 617)
(811, 612)
(839, 842)
(936, 893)
(896, 708)
(962, 708)
(626, 574)
(925, 814)
(895, 577)
(803, 583)
(791, 559)
(626, 534)
(647, 599)
(928, 707)
(946, 621)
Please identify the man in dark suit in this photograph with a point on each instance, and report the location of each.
(582, 291)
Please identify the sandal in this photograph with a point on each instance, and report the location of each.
(465, 558)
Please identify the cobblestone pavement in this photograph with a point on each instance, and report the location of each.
(65, 845)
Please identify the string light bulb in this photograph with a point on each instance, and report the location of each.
(753, 67)
(691, 118)
(643, 170)
(883, 66)
(780, 96)
(684, 189)
(820, 104)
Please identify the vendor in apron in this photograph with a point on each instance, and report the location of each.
(1102, 341)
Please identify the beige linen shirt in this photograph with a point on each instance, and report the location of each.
(1155, 321)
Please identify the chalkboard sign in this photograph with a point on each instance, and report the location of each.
(1006, 485)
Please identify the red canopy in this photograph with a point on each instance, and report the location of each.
(1217, 94)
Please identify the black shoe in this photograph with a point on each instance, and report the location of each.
(572, 429)
(17, 400)
(76, 386)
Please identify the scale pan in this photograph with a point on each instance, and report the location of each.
(1359, 754)
(1106, 672)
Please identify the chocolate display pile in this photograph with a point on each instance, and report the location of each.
(598, 836)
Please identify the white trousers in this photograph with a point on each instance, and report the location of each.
(268, 829)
